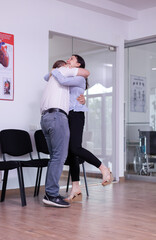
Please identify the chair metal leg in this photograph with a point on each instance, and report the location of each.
(5, 178)
(39, 181)
(68, 180)
(21, 184)
(36, 184)
(85, 179)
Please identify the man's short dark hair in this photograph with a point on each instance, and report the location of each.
(59, 63)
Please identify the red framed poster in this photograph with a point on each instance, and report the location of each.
(6, 66)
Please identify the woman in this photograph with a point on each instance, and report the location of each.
(76, 117)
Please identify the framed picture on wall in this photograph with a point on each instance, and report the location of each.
(6, 66)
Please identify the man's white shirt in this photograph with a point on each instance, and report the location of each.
(55, 95)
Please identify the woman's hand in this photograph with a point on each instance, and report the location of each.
(81, 99)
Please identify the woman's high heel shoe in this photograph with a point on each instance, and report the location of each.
(77, 197)
(104, 183)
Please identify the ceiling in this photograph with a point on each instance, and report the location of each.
(123, 9)
(136, 4)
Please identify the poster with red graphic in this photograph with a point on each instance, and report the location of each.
(6, 66)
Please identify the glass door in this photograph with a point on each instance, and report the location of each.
(99, 133)
(140, 100)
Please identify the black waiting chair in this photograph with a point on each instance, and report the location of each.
(17, 143)
(41, 146)
(6, 166)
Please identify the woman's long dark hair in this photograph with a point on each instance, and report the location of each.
(82, 65)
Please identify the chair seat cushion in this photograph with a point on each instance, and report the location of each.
(35, 163)
(8, 165)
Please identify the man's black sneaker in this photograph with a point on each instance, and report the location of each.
(55, 201)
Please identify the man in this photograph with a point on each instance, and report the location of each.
(54, 123)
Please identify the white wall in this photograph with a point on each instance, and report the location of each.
(144, 26)
(30, 22)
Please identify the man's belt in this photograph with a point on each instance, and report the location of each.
(51, 110)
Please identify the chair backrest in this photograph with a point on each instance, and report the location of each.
(40, 141)
(15, 142)
(150, 143)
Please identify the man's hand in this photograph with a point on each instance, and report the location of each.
(83, 72)
(81, 99)
(68, 65)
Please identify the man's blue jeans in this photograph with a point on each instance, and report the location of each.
(56, 131)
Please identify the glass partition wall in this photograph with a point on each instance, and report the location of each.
(99, 131)
(140, 114)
